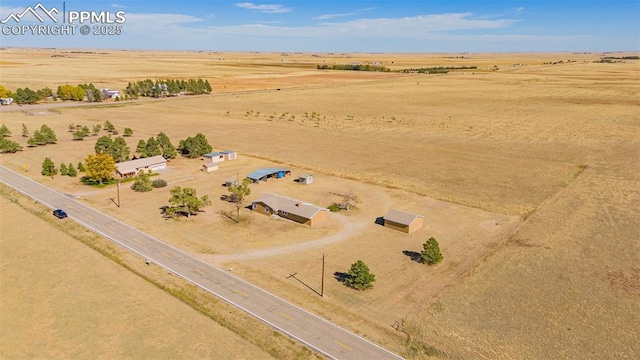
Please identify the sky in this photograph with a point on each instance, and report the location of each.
(335, 26)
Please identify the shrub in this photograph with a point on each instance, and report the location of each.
(334, 207)
(159, 183)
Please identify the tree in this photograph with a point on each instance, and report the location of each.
(46, 136)
(152, 148)
(141, 149)
(359, 276)
(70, 92)
(240, 191)
(142, 183)
(193, 147)
(81, 133)
(100, 168)
(31, 142)
(49, 168)
(431, 254)
(128, 131)
(80, 167)
(8, 146)
(96, 129)
(348, 200)
(4, 92)
(103, 145)
(109, 126)
(63, 169)
(26, 96)
(4, 131)
(185, 202)
(168, 150)
(72, 170)
(25, 131)
(119, 149)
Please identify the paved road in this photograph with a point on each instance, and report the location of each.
(301, 325)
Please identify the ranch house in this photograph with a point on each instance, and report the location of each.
(133, 167)
(292, 209)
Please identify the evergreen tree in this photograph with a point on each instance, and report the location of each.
(360, 278)
(119, 150)
(8, 146)
(153, 148)
(141, 149)
(72, 170)
(49, 168)
(142, 183)
(25, 131)
(195, 147)
(80, 167)
(4, 131)
(431, 254)
(128, 132)
(63, 169)
(168, 150)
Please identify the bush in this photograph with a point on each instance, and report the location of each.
(334, 207)
(159, 183)
(431, 254)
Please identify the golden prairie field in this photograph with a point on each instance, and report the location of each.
(527, 176)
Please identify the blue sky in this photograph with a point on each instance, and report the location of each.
(349, 26)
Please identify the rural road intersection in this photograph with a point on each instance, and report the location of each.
(301, 325)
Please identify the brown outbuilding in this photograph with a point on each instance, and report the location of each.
(403, 221)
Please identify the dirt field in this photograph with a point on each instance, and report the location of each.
(61, 299)
(553, 145)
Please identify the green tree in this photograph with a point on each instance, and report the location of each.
(168, 150)
(80, 167)
(360, 278)
(8, 146)
(96, 129)
(26, 96)
(104, 144)
(153, 148)
(100, 168)
(31, 142)
(4, 131)
(119, 150)
(81, 133)
(194, 147)
(44, 93)
(72, 170)
(49, 168)
(431, 254)
(25, 131)
(141, 149)
(128, 131)
(109, 126)
(240, 191)
(185, 202)
(47, 136)
(63, 169)
(142, 183)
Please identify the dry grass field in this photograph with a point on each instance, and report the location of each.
(61, 299)
(526, 175)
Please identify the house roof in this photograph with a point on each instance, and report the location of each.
(128, 167)
(292, 206)
(401, 217)
(210, 165)
(304, 175)
(260, 173)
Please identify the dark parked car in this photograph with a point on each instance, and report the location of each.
(59, 213)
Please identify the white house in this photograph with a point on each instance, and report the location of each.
(133, 167)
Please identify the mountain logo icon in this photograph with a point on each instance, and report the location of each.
(39, 11)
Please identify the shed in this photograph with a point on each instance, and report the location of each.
(210, 167)
(268, 173)
(133, 167)
(306, 179)
(292, 209)
(403, 221)
(219, 156)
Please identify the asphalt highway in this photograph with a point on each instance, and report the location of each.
(301, 325)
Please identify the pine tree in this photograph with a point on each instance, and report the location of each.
(72, 170)
(360, 278)
(63, 169)
(25, 131)
(49, 168)
(80, 167)
(431, 254)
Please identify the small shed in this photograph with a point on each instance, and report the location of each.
(305, 179)
(403, 221)
(210, 167)
(231, 182)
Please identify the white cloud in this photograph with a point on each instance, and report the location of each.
(118, 6)
(333, 16)
(264, 8)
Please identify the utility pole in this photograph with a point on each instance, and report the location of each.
(118, 194)
(322, 283)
